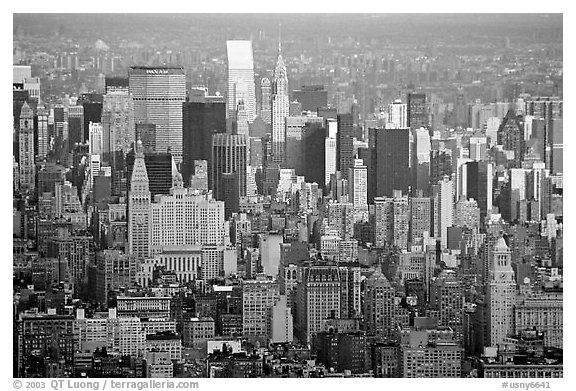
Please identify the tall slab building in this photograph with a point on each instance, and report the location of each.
(240, 78)
(158, 94)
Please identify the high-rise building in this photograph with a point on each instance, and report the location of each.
(314, 152)
(557, 146)
(341, 350)
(280, 110)
(421, 217)
(391, 221)
(158, 94)
(281, 321)
(330, 152)
(26, 162)
(240, 78)
(43, 141)
(341, 219)
(258, 298)
(318, 298)
(345, 144)
(467, 214)
(92, 113)
(380, 307)
(119, 132)
(75, 125)
(139, 208)
(430, 353)
(358, 182)
(440, 165)
(185, 218)
(199, 177)
(96, 138)
(421, 160)
(203, 117)
(444, 209)
(159, 169)
(501, 296)
(447, 297)
(417, 111)
(477, 184)
(229, 155)
(146, 132)
(265, 104)
(478, 147)
(397, 115)
(295, 128)
(389, 169)
(541, 312)
(511, 136)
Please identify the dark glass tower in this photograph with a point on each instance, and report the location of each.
(345, 144)
(201, 119)
(389, 169)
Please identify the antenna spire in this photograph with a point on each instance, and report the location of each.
(279, 38)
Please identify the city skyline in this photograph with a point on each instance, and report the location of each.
(340, 195)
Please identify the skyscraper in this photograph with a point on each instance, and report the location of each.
(318, 298)
(391, 221)
(43, 140)
(184, 218)
(75, 125)
(240, 78)
(96, 138)
(421, 160)
(444, 208)
(389, 169)
(330, 152)
(380, 307)
(26, 149)
(501, 294)
(280, 107)
(448, 299)
(229, 155)
(265, 104)
(397, 115)
(158, 94)
(417, 111)
(139, 208)
(511, 136)
(314, 144)
(421, 217)
(119, 132)
(477, 184)
(358, 182)
(258, 298)
(345, 144)
(203, 117)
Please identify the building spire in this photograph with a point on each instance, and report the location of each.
(279, 39)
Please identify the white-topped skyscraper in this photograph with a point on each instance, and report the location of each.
(240, 78)
(280, 109)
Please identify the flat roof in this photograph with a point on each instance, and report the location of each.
(239, 54)
(157, 70)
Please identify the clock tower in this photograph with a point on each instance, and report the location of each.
(501, 297)
(139, 208)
